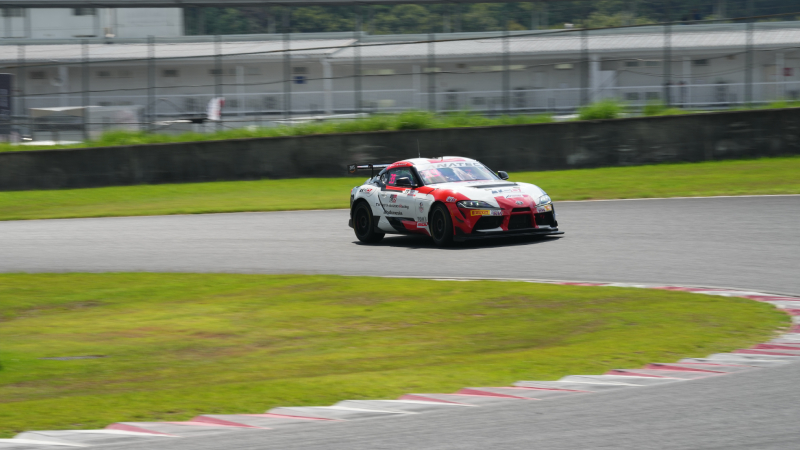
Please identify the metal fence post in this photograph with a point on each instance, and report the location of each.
(287, 64)
(584, 66)
(748, 73)
(85, 86)
(431, 72)
(357, 61)
(21, 75)
(506, 62)
(668, 56)
(218, 76)
(151, 82)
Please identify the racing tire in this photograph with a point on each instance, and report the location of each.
(441, 226)
(364, 224)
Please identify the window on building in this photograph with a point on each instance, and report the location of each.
(496, 68)
(608, 65)
(13, 12)
(477, 101)
(37, 75)
(252, 70)
(652, 63)
(270, 102)
(631, 96)
(125, 73)
(84, 11)
(631, 63)
(215, 72)
(233, 103)
(431, 69)
(700, 62)
(103, 74)
(652, 96)
(170, 73)
(377, 72)
(563, 66)
(300, 70)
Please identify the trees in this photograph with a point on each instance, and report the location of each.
(415, 18)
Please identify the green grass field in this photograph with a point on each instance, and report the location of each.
(761, 176)
(177, 345)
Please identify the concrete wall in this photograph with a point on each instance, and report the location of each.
(568, 145)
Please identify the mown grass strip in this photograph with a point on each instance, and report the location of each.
(746, 177)
(176, 345)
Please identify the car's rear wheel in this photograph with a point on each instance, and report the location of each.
(441, 226)
(364, 224)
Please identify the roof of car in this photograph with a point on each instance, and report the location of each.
(441, 159)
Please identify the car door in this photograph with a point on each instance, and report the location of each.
(398, 201)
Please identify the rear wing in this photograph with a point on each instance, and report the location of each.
(353, 168)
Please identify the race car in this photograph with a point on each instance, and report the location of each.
(451, 199)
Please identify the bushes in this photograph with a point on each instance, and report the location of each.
(660, 109)
(604, 109)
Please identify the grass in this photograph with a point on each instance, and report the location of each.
(760, 176)
(410, 120)
(177, 345)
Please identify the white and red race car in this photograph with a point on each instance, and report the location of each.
(449, 199)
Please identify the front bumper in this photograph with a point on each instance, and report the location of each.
(509, 233)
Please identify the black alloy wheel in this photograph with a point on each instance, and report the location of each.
(364, 224)
(441, 226)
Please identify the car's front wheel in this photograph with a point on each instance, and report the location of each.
(364, 224)
(441, 226)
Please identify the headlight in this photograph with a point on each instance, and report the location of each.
(473, 204)
(543, 200)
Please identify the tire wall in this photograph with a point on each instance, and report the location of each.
(555, 146)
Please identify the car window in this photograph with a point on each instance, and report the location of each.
(390, 177)
(450, 174)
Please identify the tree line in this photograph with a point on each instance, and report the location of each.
(415, 18)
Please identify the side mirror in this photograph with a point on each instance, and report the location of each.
(503, 175)
(403, 182)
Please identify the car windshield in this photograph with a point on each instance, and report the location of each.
(450, 174)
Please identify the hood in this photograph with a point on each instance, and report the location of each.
(493, 192)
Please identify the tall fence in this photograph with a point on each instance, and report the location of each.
(268, 79)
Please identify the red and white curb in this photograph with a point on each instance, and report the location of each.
(783, 349)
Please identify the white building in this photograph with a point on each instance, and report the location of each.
(68, 23)
(707, 68)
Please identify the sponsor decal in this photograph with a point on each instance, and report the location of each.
(421, 207)
(394, 213)
(422, 224)
(486, 212)
(451, 199)
(409, 192)
(397, 206)
(422, 219)
(520, 202)
(393, 198)
(365, 190)
(545, 208)
(515, 196)
(455, 164)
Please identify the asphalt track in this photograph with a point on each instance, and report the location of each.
(746, 242)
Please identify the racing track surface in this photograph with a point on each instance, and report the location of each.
(747, 243)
